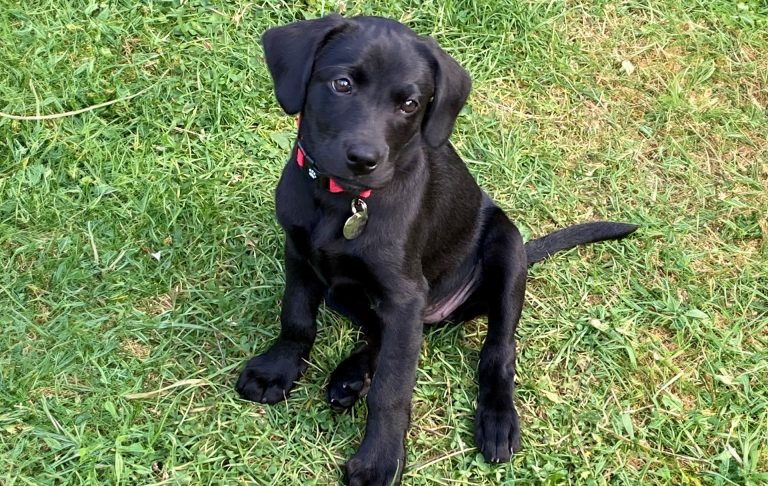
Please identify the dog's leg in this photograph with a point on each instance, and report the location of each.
(381, 456)
(269, 377)
(497, 431)
(351, 379)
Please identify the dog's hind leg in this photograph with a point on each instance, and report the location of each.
(504, 271)
(352, 377)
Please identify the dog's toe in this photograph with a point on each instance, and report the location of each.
(343, 394)
(342, 403)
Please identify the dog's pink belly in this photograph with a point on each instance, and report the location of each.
(440, 310)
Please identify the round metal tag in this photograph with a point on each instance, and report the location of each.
(355, 224)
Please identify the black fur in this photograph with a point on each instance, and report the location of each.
(434, 240)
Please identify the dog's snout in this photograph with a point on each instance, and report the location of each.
(363, 159)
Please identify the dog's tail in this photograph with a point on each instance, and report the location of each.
(579, 234)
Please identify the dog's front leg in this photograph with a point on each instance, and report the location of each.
(504, 267)
(269, 377)
(381, 456)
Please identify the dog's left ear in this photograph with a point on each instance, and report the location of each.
(452, 87)
(290, 53)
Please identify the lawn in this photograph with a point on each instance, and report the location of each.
(140, 260)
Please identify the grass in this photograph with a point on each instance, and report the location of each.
(141, 262)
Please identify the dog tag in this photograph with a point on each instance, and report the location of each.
(355, 224)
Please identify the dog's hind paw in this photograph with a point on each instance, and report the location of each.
(349, 382)
(497, 433)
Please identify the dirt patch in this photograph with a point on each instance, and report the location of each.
(157, 305)
(136, 349)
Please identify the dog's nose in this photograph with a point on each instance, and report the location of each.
(362, 159)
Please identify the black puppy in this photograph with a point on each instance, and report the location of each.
(384, 222)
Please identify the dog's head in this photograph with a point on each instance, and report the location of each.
(369, 90)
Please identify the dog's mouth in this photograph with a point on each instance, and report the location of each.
(357, 185)
(374, 181)
(350, 186)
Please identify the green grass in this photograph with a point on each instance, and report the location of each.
(139, 253)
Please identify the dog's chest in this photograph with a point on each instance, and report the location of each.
(316, 234)
(352, 288)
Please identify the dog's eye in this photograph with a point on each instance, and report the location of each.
(342, 85)
(409, 106)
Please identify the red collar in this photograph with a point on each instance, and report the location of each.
(310, 168)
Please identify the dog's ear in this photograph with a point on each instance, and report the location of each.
(452, 87)
(290, 53)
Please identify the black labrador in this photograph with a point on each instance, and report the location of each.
(385, 224)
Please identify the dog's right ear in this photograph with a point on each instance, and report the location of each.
(290, 53)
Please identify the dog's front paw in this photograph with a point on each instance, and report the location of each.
(497, 432)
(269, 377)
(349, 382)
(379, 468)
